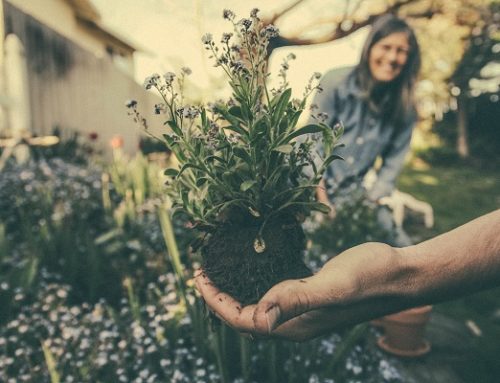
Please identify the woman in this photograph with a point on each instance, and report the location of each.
(374, 102)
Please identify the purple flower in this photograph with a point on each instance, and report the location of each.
(131, 104)
(228, 14)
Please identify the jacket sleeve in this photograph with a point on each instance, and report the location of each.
(392, 161)
(325, 103)
(328, 101)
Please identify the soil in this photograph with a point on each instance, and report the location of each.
(233, 265)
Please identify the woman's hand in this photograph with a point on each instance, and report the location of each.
(344, 292)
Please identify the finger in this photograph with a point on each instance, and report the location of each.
(198, 272)
(283, 302)
(225, 306)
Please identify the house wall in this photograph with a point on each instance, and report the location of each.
(72, 89)
(59, 16)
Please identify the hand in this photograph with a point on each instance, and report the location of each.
(346, 291)
(247, 320)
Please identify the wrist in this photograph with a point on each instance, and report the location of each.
(410, 284)
(394, 276)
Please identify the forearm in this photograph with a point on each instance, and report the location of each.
(460, 262)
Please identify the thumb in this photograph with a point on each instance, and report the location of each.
(282, 302)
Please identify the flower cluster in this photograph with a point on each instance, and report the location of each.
(98, 344)
(70, 218)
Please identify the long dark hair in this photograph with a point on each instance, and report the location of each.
(395, 100)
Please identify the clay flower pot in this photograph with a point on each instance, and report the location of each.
(404, 332)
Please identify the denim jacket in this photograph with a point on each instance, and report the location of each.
(366, 136)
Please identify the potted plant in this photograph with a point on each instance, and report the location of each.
(404, 332)
(243, 177)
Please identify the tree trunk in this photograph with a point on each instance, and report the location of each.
(462, 134)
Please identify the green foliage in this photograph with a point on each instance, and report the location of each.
(157, 331)
(93, 226)
(245, 154)
(355, 223)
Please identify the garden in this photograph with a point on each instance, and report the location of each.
(98, 251)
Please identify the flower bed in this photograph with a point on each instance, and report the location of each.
(146, 327)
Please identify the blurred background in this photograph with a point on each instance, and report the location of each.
(87, 264)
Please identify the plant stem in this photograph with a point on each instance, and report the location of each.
(51, 364)
(245, 355)
(218, 338)
(345, 346)
(173, 251)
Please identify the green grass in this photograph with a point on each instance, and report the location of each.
(459, 194)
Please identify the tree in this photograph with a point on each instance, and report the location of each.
(470, 79)
(451, 34)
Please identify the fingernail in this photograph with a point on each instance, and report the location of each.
(272, 316)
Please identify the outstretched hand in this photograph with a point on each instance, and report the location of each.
(344, 292)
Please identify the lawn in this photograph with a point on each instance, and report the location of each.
(458, 194)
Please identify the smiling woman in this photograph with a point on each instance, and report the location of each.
(374, 102)
(388, 57)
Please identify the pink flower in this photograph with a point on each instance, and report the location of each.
(116, 142)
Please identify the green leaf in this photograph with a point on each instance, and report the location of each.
(221, 207)
(234, 121)
(243, 154)
(235, 111)
(236, 128)
(171, 172)
(204, 121)
(185, 200)
(247, 185)
(214, 157)
(281, 105)
(318, 206)
(328, 140)
(175, 128)
(294, 193)
(331, 158)
(287, 149)
(308, 129)
(283, 126)
(257, 95)
(201, 181)
(295, 118)
(106, 237)
(260, 126)
(190, 166)
(245, 112)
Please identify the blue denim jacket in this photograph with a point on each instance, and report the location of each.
(366, 136)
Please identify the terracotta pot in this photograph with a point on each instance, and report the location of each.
(404, 332)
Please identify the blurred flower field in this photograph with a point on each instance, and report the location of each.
(90, 293)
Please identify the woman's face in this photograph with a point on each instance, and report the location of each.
(388, 56)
